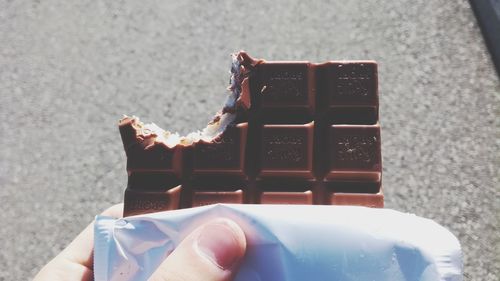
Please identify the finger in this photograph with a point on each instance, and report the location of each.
(81, 248)
(76, 261)
(210, 253)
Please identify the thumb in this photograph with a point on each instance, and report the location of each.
(212, 252)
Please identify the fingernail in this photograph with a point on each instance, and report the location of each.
(218, 242)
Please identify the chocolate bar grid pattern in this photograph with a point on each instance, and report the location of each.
(311, 136)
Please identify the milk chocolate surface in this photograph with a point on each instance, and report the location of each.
(299, 133)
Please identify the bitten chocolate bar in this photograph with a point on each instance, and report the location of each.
(289, 133)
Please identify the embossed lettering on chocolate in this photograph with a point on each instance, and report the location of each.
(289, 133)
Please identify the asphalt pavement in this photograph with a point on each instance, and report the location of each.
(70, 69)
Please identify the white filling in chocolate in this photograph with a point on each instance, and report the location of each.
(213, 129)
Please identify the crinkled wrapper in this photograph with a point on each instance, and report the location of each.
(293, 243)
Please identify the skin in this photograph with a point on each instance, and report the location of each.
(212, 252)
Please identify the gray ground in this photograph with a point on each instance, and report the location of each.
(69, 71)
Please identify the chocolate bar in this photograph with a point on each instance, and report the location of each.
(289, 133)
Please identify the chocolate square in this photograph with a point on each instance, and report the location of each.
(284, 85)
(355, 152)
(224, 155)
(157, 157)
(273, 197)
(358, 199)
(143, 201)
(353, 84)
(201, 198)
(286, 150)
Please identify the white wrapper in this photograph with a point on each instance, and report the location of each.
(289, 243)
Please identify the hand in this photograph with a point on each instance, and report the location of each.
(212, 252)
